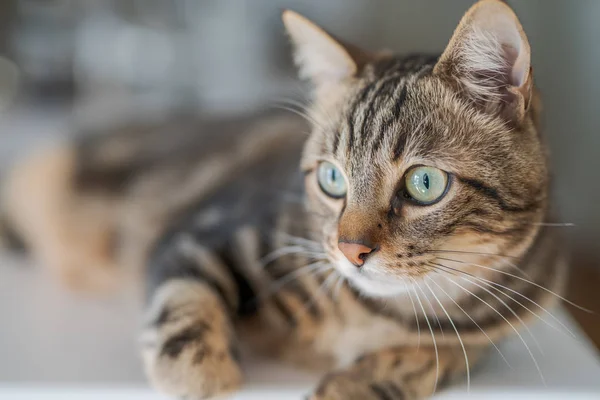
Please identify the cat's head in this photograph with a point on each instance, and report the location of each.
(416, 161)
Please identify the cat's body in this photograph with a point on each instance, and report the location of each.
(242, 248)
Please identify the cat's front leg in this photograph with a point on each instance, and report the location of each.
(188, 342)
(395, 374)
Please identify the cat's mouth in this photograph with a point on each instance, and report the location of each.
(370, 280)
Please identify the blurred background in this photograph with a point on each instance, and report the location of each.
(71, 63)
(100, 60)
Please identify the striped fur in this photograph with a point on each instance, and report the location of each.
(240, 246)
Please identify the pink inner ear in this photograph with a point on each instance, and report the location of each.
(515, 76)
(507, 31)
(517, 59)
(520, 69)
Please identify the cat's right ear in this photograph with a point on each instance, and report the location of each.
(489, 58)
(318, 55)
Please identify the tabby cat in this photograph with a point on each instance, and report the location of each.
(411, 239)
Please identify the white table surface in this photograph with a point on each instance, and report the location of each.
(59, 345)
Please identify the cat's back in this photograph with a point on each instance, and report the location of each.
(118, 158)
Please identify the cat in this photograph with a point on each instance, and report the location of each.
(411, 239)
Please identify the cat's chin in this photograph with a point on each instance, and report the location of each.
(370, 284)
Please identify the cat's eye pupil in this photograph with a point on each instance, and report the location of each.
(426, 181)
(332, 175)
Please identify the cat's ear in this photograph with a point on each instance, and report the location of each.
(319, 56)
(488, 58)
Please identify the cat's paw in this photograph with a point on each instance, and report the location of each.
(187, 364)
(350, 385)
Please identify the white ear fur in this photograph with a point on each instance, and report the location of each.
(318, 55)
(488, 52)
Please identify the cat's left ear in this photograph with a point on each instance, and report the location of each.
(319, 56)
(488, 58)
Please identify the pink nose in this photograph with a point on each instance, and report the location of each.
(355, 252)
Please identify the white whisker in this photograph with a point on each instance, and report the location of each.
(308, 111)
(289, 277)
(495, 286)
(416, 316)
(437, 357)
(474, 322)
(472, 252)
(288, 250)
(300, 241)
(508, 322)
(528, 281)
(462, 345)
(509, 308)
(433, 312)
(554, 224)
(309, 118)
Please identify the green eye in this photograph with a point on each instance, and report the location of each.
(426, 184)
(331, 180)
